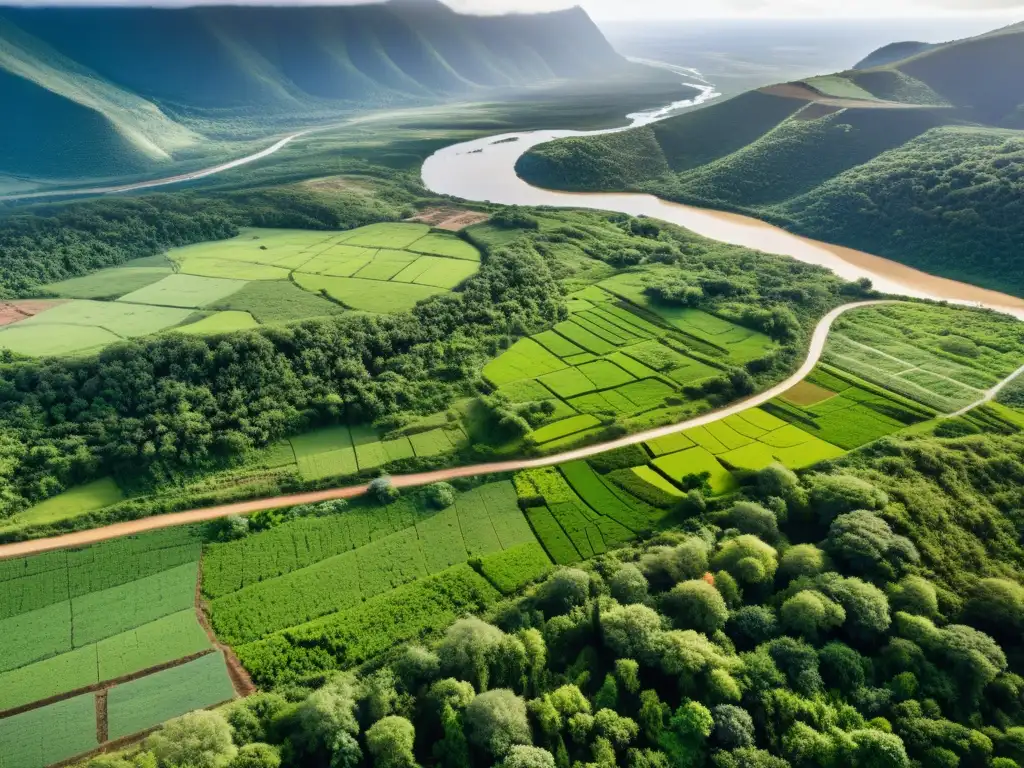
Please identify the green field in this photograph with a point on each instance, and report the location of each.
(608, 361)
(148, 701)
(71, 619)
(73, 502)
(41, 737)
(262, 276)
(346, 566)
(220, 322)
(940, 357)
(184, 291)
(839, 87)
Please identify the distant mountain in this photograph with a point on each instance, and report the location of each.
(111, 90)
(920, 160)
(891, 53)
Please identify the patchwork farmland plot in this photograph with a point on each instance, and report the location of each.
(330, 567)
(605, 362)
(73, 502)
(148, 701)
(381, 268)
(77, 620)
(940, 357)
(41, 737)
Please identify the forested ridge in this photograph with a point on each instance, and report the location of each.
(153, 409)
(936, 187)
(865, 613)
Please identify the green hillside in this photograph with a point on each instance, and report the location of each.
(919, 161)
(111, 91)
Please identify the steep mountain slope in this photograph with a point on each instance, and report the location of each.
(891, 53)
(916, 160)
(113, 90)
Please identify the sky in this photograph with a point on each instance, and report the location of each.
(636, 10)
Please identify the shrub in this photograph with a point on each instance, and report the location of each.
(440, 495)
(802, 560)
(628, 584)
(810, 613)
(390, 741)
(496, 721)
(834, 495)
(563, 590)
(199, 739)
(382, 489)
(696, 605)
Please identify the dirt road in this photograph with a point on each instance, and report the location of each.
(117, 530)
(200, 174)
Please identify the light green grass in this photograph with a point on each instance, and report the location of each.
(386, 235)
(239, 270)
(752, 457)
(149, 701)
(695, 461)
(277, 302)
(432, 443)
(568, 382)
(808, 454)
(443, 244)
(184, 291)
(122, 319)
(220, 322)
(762, 419)
(325, 453)
(526, 359)
(339, 260)
(437, 272)
(368, 295)
(109, 283)
(651, 477)
(605, 374)
(670, 444)
(563, 428)
(839, 87)
(73, 502)
(385, 265)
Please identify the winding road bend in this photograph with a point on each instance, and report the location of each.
(82, 538)
(180, 178)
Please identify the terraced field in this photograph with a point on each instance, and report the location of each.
(81, 627)
(611, 360)
(261, 276)
(341, 451)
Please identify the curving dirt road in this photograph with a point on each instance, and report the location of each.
(117, 530)
(192, 176)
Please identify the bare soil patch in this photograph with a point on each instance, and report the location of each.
(102, 731)
(13, 311)
(449, 219)
(805, 393)
(240, 679)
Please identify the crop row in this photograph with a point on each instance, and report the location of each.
(62, 627)
(231, 566)
(469, 528)
(350, 637)
(512, 569)
(41, 580)
(158, 642)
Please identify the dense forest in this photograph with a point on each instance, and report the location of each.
(152, 409)
(866, 614)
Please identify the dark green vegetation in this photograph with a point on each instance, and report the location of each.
(934, 183)
(146, 88)
(865, 613)
(157, 413)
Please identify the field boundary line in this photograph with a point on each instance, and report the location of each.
(104, 684)
(869, 348)
(240, 680)
(992, 394)
(816, 347)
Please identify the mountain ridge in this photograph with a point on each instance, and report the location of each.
(140, 84)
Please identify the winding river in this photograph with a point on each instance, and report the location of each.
(484, 171)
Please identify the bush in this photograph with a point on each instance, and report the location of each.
(440, 495)
(802, 560)
(810, 614)
(199, 739)
(628, 584)
(496, 721)
(696, 605)
(752, 518)
(390, 741)
(256, 756)
(563, 590)
(834, 495)
(381, 489)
